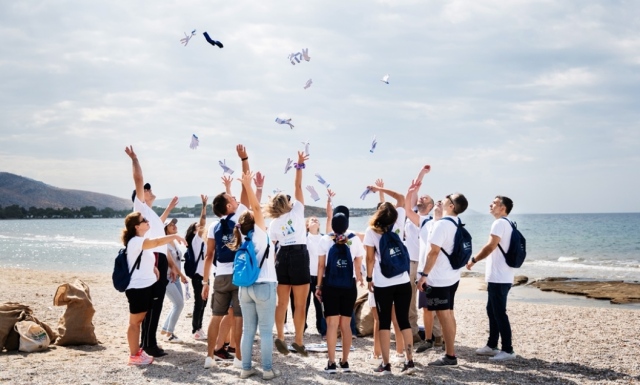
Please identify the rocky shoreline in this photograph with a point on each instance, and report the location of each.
(617, 292)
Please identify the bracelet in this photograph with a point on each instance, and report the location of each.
(299, 166)
(319, 287)
(258, 187)
(243, 159)
(473, 259)
(205, 283)
(369, 279)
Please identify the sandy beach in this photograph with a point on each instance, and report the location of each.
(555, 344)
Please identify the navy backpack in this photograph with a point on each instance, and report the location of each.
(339, 270)
(191, 262)
(223, 232)
(394, 256)
(517, 247)
(461, 253)
(121, 276)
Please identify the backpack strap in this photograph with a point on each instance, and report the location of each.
(136, 265)
(425, 221)
(457, 225)
(223, 222)
(266, 252)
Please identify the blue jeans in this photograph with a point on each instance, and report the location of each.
(499, 325)
(258, 303)
(174, 293)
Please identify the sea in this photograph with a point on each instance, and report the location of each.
(583, 246)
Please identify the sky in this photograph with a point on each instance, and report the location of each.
(535, 100)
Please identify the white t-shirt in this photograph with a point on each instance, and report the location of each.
(144, 276)
(443, 235)
(196, 243)
(496, 269)
(225, 268)
(371, 238)
(290, 228)
(412, 237)
(355, 247)
(313, 242)
(268, 269)
(156, 227)
(174, 252)
(425, 244)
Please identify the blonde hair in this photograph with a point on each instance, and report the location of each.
(384, 218)
(277, 206)
(130, 222)
(245, 224)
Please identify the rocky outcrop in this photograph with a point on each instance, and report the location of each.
(617, 292)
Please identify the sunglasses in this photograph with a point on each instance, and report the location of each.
(144, 220)
(451, 200)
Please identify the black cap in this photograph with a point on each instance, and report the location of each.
(340, 220)
(147, 186)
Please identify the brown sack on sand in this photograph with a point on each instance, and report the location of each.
(75, 325)
(364, 316)
(10, 313)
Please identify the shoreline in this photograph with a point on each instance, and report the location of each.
(554, 344)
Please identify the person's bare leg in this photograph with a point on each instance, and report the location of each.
(212, 334)
(376, 333)
(448, 323)
(237, 331)
(332, 336)
(385, 342)
(281, 308)
(300, 293)
(133, 332)
(345, 327)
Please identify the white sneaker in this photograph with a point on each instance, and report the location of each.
(398, 357)
(271, 374)
(373, 359)
(286, 329)
(487, 351)
(173, 339)
(247, 373)
(199, 335)
(209, 363)
(503, 356)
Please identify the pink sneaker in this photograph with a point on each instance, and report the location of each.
(141, 358)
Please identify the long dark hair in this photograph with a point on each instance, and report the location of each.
(190, 234)
(384, 218)
(130, 222)
(246, 223)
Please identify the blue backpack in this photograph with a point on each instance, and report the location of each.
(394, 256)
(461, 252)
(223, 233)
(121, 276)
(245, 265)
(339, 270)
(517, 247)
(191, 262)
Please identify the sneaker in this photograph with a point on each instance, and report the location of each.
(503, 356)
(199, 335)
(300, 349)
(155, 352)
(231, 350)
(237, 363)
(141, 358)
(398, 357)
(271, 374)
(426, 345)
(445, 361)
(281, 346)
(487, 351)
(331, 367)
(247, 373)
(383, 369)
(286, 329)
(222, 355)
(408, 368)
(209, 363)
(373, 358)
(344, 366)
(354, 337)
(174, 339)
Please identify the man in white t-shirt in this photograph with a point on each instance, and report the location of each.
(143, 199)
(499, 277)
(441, 278)
(225, 293)
(416, 220)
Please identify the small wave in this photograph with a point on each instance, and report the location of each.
(565, 265)
(568, 259)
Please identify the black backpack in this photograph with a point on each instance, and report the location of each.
(461, 252)
(424, 221)
(517, 247)
(339, 270)
(223, 233)
(394, 256)
(191, 262)
(121, 276)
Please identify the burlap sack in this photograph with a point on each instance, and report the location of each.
(364, 316)
(75, 325)
(10, 313)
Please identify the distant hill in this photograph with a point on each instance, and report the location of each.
(26, 192)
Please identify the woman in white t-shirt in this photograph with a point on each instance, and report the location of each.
(389, 291)
(258, 301)
(139, 292)
(174, 287)
(196, 243)
(288, 230)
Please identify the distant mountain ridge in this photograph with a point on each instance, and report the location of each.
(26, 192)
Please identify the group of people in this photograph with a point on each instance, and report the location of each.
(298, 263)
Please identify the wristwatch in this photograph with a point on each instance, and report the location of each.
(205, 283)
(369, 279)
(473, 259)
(423, 274)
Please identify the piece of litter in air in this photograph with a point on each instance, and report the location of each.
(285, 121)
(186, 38)
(195, 142)
(374, 143)
(214, 43)
(306, 147)
(314, 193)
(305, 54)
(308, 84)
(225, 169)
(322, 181)
(288, 166)
(365, 193)
(385, 79)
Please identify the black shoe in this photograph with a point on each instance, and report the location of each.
(155, 351)
(222, 355)
(331, 367)
(383, 369)
(344, 366)
(408, 368)
(426, 345)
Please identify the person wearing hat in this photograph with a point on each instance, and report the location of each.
(336, 286)
(143, 199)
(174, 287)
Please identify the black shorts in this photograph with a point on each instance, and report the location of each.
(339, 301)
(442, 298)
(292, 265)
(139, 299)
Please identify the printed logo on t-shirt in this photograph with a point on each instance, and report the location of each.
(288, 229)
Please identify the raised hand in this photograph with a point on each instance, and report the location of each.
(242, 151)
(130, 152)
(259, 180)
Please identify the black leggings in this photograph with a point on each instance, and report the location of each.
(199, 304)
(386, 297)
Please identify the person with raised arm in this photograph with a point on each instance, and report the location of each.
(195, 237)
(292, 259)
(225, 293)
